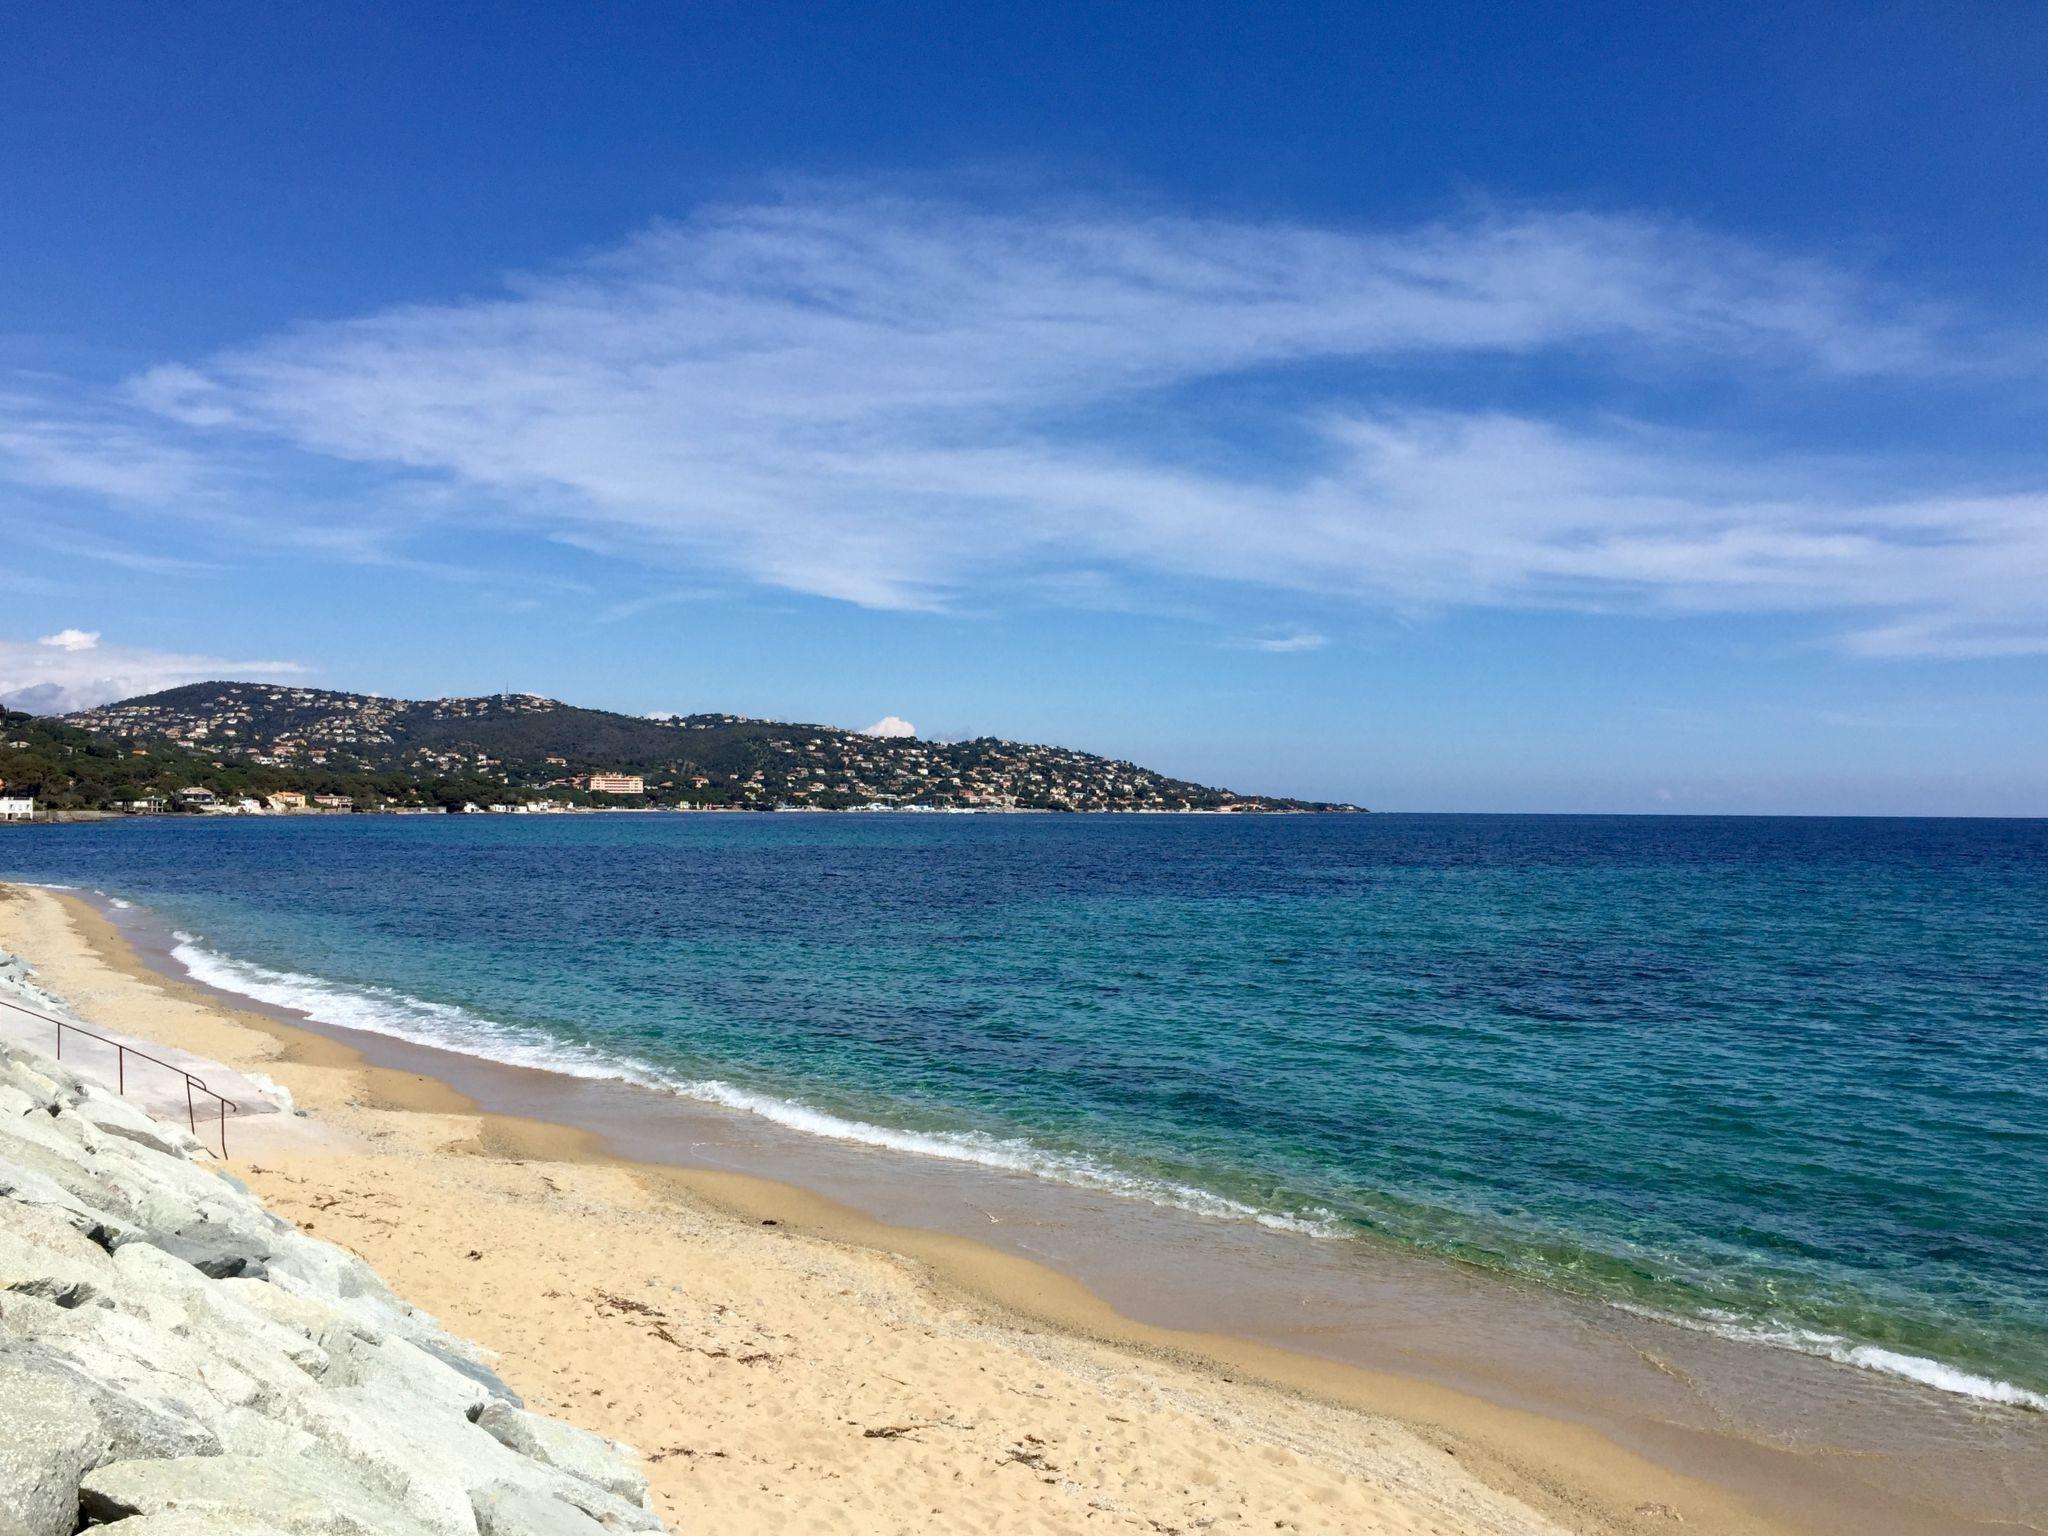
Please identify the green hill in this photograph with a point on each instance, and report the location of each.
(244, 738)
(69, 769)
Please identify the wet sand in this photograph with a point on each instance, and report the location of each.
(1579, 1413)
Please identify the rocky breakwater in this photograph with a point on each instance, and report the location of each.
(176, 1361)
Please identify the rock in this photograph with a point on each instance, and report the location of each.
(177, 1361)
(46, 1081)
(31, 1187)
(142, 1407)
(339, 1282)
(305, 1266)
(433, 1469)
(48, 1438)
(14, 1102)
(213, 1317)
(416, 1467)
(130, 1427)
(307, 1316)
(117, 1117)
(502, 1511)
(40, 1140)
(598, 1461)
(403, 1420)
(450, 1352)
(162, 1196)
(43, 1254)
(306, 1497)
(248, 1432)
(607, 1509)
(190, 1522)
(143, 1194)
(146, 1350)
(396, 1376)
(219, 1253)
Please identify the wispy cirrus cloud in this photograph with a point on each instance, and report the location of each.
(67, 444)
(1288, 643)
(899, 402)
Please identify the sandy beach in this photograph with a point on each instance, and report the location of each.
(785, 1362)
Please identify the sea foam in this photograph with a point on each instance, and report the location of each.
(1008, 1155)
(1934, 1373)
(386, 1011)
(1868, 1357)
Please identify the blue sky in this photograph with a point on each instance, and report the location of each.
(1442, 407)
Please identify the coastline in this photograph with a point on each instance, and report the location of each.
(1568, 1470)
(868, 808)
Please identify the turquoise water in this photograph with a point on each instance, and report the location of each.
(1778, 1077)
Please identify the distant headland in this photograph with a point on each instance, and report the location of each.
(225, 747)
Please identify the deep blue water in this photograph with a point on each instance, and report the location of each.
(1789, 1075)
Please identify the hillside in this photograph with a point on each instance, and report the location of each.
(509, 747)
(69, 769)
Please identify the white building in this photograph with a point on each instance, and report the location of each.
(17, 807)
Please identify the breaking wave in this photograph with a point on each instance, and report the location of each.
(1868, 1357)
(386, 1011)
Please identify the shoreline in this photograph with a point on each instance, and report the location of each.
(88, 814)
(1569, 1469)
(982, 1175)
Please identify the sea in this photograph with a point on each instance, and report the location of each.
(1781, 1079)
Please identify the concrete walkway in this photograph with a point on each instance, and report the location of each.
(156, 1088)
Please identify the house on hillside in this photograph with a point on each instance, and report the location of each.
(197, 795)
(17, 807)
(286, 800)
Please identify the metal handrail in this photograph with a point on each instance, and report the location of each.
(122, 1052)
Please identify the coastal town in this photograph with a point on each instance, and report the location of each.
(296, 802)
(259, 749)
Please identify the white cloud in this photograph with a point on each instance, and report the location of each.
(890, 725)
(897, 402)
(72, 446)
(1285, 644)
(1449, 509)
(72, 639)
(51, 678)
